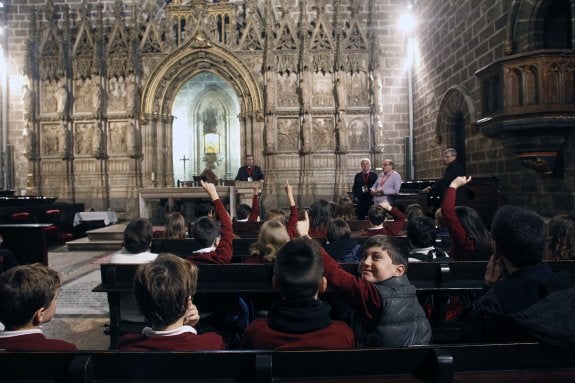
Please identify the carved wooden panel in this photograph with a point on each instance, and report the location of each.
(288, 134)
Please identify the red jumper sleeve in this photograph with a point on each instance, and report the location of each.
(463, 246)
(255, 213)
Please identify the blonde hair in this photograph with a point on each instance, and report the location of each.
(272, 236)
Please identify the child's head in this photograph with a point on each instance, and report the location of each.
(476, 230)
(320, 214)
(138, 236)
(337, 229)
(243, 211)
(345, 209)
(376, 215)
(205, 210)
(421, 232)
(176, 226)
(561, 237)
(276, 215)
(272, 236)
(383, 257)
(164, 289)
(28, 295)
(414, 210)
(520, 234)
(298, 270)
(206, 230)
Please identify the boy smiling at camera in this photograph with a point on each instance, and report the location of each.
(386, 310)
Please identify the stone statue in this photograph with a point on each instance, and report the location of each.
(62, 100)
(29, 137)
(97, 99)
(28, 102)
(340, 93)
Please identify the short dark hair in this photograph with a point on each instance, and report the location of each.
(298, 269)
(204, 209)
(138, 236)
(24, 289)
(520, 234)
(205, 230)
(395, 246)
(243, 211)
(421, 231)
(337, 229)
(376, 214)
(163, 287)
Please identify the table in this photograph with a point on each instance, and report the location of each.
(107, 216)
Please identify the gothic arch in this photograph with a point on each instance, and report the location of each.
(525, 25)
(456, 108)
(175, 69)
(197, 56)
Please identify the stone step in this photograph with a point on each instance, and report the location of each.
(85, 244)
(105, 238)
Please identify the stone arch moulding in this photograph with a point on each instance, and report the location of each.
(456, 99)
(199, 55)
(524, 30)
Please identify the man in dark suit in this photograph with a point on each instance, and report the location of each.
(453, 170)
(362, 182)
(249, 172)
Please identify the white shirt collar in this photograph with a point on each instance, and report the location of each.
(148, 331)
(9, 334)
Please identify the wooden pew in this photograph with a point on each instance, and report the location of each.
(509, 362)
(27, 241)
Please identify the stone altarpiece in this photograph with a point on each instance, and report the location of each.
(102, 84)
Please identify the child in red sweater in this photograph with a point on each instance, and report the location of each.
(28, 296)
(164, 289)
(299, 320)
(379, 226)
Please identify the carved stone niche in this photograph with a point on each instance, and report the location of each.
(528, 102)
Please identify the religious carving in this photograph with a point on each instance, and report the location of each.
(84, 139)
(341, 134)
(28, 102)
(357, 91)
(288, 137)
(323, 91)
(62, 100)
(117, 138)
(339, 92)
(288, 97)
(29, 138)
(97, 98)
(358, 134)
(98, 141)
(64, 142)
(323, 133)
(51, 138)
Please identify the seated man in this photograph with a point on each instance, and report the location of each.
(299, 320)
(527, 300)
(27, 300)
(376, 216)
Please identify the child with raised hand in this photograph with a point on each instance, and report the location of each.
(386, 310)
(216, 245)
(164, 289)
(28, 296)
(299, 320)
(376, 216)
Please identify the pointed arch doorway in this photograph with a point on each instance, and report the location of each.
(206, 128)
(237, 110)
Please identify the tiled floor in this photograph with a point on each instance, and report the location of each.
(81, 315)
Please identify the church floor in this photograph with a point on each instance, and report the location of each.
(81, 316)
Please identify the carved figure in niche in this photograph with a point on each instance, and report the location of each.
(305, 95)
(378, 126)
(118, 138)
(377, 92)
(97, 98)
(28, 102)
(307, 130)
(341, 134)
(357, 135)
(131, 141)
(48, 103)
(340, 92)
(270, 90)
(29, 137)
(50, 140)
(98, 141)
(64, 143)
(62, 100)
(84, 139)
(323, 133)
(129, 97)
(323, 91)
(288, 134)
(357, 94)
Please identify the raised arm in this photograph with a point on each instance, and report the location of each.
(255, 213)
(462, 243)
(293, 217)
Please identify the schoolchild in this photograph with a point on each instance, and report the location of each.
(299, 320)
(340, 245)
(386, 310)
(28, 296)
(376, 216)
(422, 237)
(164, 290)
(216, 241)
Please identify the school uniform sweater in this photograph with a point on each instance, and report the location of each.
(31, 340)
(394, 227)
(298, 326)
(463, 248)
(224, 251)
(183, 339)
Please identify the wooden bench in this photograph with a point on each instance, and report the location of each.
(27, 241)
(510, 362)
